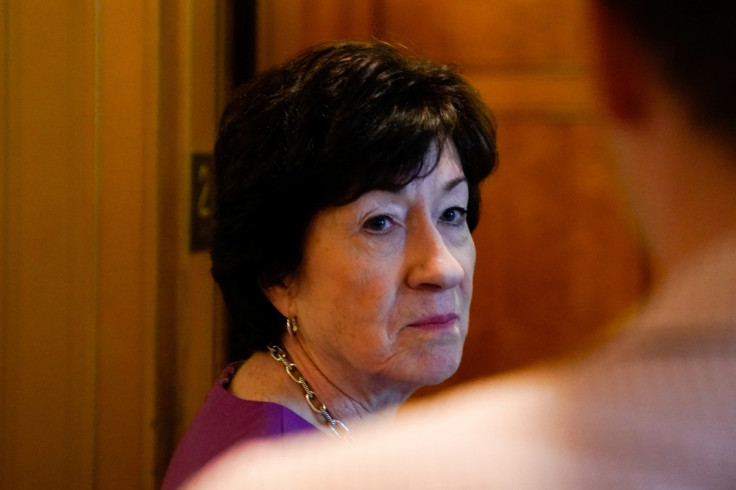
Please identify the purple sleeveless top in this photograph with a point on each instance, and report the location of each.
(224, 420)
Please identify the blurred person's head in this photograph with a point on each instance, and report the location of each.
(667, 83)
(693, 44)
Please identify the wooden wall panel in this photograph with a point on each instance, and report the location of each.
(556, 257)
(48, 269)
(4, 203)
(285, 27)
(556, 95)
(109, 334)
(173, 215)
(190, 346)
(79, 228)
(128, 237)
(476, 33)
(327, 20)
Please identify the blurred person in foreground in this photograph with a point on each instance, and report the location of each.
(347, 189)
(655, 407)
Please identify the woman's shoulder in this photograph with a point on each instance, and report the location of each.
(236, 415)
(224, 420)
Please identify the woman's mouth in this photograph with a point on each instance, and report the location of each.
(436, 322)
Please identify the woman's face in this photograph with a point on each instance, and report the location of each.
(383, 292)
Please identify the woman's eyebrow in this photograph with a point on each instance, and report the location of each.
(454, 183)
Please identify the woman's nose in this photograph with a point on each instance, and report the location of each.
(432, 263)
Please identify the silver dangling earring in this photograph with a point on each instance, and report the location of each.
(291, 326)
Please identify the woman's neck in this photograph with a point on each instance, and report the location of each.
(262, 378)
(340, 399)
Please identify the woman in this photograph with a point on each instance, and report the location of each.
(348, 185)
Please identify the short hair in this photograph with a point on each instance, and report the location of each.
(694, 43)
(318, 131)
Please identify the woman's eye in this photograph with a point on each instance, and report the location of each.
(454, 216)
(378, 224)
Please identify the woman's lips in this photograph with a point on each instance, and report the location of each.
(436, 322)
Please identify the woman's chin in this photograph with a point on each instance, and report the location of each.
(440, 375)
(436, 366)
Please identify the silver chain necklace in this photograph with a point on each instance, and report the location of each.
(336, 426)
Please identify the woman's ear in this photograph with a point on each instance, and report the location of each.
(281, 297)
